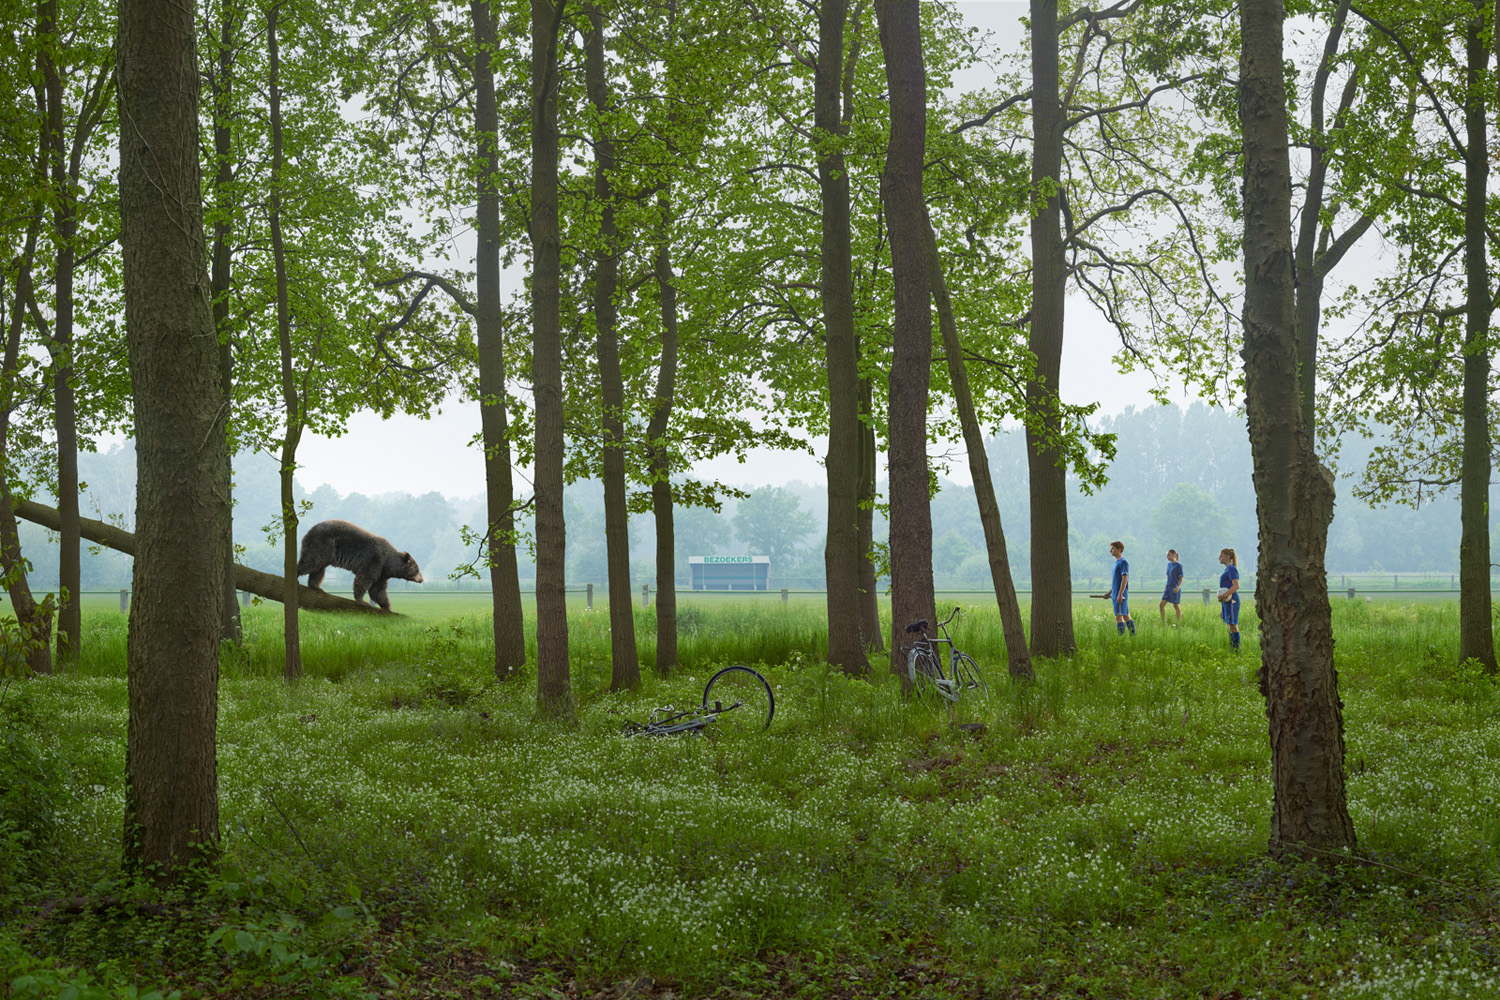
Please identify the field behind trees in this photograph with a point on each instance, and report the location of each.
(399, 823)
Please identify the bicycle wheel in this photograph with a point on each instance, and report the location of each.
(967, 676)
(925, 671)
(741, 698)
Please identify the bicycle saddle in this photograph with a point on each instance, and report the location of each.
(920, 626)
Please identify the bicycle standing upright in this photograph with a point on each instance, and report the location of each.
(924, 664)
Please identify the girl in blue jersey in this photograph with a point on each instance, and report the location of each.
(1173, 593)
(1229, 596)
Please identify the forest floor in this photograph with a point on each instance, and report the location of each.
(398, 824)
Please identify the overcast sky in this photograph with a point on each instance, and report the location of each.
(416, 456)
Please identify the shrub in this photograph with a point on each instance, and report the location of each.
(30, 789)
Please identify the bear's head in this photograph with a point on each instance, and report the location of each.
(408, 570)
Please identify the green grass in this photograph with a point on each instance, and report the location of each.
(398, 824)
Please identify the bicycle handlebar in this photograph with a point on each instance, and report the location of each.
(921, 625)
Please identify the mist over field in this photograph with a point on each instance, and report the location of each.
(1180, 478)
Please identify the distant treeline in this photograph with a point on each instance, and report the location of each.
(1180, 479)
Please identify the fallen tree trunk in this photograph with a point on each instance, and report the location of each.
(251, 581)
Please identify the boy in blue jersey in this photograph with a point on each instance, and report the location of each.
(1119, 589)
(1173, 593)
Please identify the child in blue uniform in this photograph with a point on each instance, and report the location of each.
(1229, 596)
(1173, 593)
(1119, 589)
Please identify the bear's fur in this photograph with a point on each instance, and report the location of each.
(371, 559)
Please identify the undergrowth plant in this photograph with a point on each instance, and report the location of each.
(1099, 832)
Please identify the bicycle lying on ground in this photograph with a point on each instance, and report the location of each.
(924, 665)
(736, 699)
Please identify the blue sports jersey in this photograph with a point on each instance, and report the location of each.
(1121, 569)
(1172, 592)
(1229, 611)
(1231, 573)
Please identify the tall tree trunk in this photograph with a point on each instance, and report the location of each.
(1016, 650)
(911, 361)
(625, 666)
(505, 585)
(64, 200)
(1476, 635)
(846, 642)
(869, 583)
(172, 653)
(290, 403)
(659, 454)
(1293, 492)
(553, 688)
(1051, 574)
(221, 276)
(34, 619)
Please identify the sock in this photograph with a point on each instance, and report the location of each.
(1130, 624)
(1234, 640)
(1120, 627)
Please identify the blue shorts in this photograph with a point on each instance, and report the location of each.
(1122, 606)
(1172, 596)
(1229, 611)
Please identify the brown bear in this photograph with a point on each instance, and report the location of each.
(371, 559)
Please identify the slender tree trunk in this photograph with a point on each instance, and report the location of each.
(34, 619)
(1293, 492)
(1476, 625)
(60, 343)
(554, 691)
(1017, 652)
(172, 653)
(911, 362)
(505, 585)
(1051, 574)
(846, 642)
(1316, 253)
(625, 666)
(869, 583)
(290, 402)
(221, 276)
(659, 454)
(1309, 283)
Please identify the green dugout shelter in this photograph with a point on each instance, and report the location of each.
(730, 572)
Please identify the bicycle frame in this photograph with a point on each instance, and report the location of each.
(685, 721)
(734, 687)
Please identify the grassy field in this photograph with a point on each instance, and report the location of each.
(398, 825)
